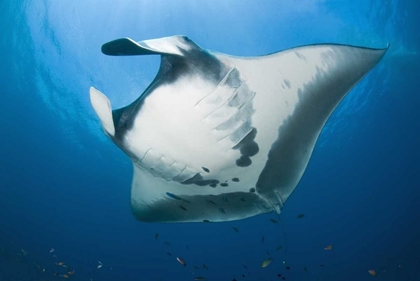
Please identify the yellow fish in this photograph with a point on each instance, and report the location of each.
(266, 262)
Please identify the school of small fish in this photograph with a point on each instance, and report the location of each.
(64, 271)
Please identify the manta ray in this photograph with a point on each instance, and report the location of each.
(217, 137)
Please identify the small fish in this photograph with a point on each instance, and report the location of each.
(372, 272)
(268, 253)
(66, 276)
(196, 267)
(99, 266)
(225, 199)
(273, 221)
(25, 253)
(60, 263)
(328, 248)
(300, 216)
(266, 262)
(262, 239)
(222, 210)
(173, 196)
(305, 269)
(71, 272)
(283, 278)
(183, 208)
(52, 250)
(100, 262)
(181, 261)
(169, 254)
(205, 266)
(211, 202)
(55, 273)
(243, 275)
(156, 236)
(234, 228)
(279, 275)
(167, 243)
(54, 256)
(200, 278)
(279, 248)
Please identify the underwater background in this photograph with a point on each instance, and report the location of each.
(65, 187)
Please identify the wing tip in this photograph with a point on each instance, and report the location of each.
(102, 107)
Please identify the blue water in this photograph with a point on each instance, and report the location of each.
(64, 185)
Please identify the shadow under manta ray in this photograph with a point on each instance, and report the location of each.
(217, 137)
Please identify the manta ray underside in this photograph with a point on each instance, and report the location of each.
(217, 137)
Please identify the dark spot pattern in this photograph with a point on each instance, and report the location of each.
(198, 180)
(287, 82)
(235, 179)
(206, 169)
(224, 184)
(252, 189)
(248, 148)
(244, 161)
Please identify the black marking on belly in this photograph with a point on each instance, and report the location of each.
(198, 180)
(206, 169)
(252, 189)
(244, 161)
(235, 179)
(224, 184)
(248, 148)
